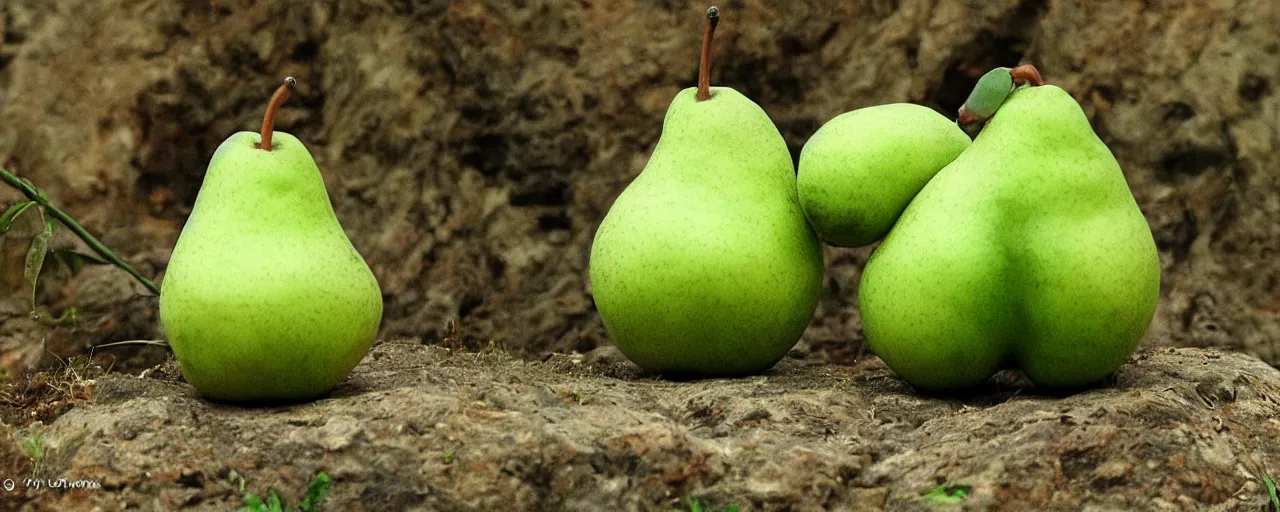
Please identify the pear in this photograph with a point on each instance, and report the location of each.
(861, 169)
(265, 298)
(1027, 251)
(705, 265)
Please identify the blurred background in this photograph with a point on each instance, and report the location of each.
(471, 147)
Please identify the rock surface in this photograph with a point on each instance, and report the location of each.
(419, 428)
(471, 147)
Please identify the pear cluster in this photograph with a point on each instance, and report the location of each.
(1023, 248)
(1028, 251)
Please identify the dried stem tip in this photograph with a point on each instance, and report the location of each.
(269, 120)
(1026, 74)
(704, 67)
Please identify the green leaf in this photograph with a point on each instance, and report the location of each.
(696, 505)
(252, 503)
(448, 456)
(35, 256)
(34, 446)
(947, 494)
(1271, 490)
(989, 93)
(7, 218)
(316, 492)
(273, 501)
(68, 316)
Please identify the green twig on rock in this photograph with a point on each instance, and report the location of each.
(34, 195)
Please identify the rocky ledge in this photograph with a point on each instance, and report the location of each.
(421, 428)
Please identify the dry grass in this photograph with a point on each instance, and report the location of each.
(46, 395)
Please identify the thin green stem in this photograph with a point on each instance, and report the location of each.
(76, 228)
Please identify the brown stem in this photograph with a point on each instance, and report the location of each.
(1026, 73)
(269, 120)
(704, 67)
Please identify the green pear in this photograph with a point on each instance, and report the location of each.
(861, 169)
(1027, 251)
(705, 264)
(264, 298)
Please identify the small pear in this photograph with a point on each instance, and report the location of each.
(861, 169)
(1027, 251)
(705, 264)
(265, 298)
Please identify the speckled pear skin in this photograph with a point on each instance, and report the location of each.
(705, 264)
(1027, 251)
(265, 299)
(860, 170)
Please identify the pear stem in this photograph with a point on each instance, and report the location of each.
(704, 66)
(75, 227)
(269, 120)
(1026, 74)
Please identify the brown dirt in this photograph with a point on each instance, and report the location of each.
(471, 147)
(419, 428)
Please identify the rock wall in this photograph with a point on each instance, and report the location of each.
(471, 147)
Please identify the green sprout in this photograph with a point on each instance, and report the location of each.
(1271, 491)
(68, 316)
(695, 505)
(948, 494)
(317, 490)
(34, 446)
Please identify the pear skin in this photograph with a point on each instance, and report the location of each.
(1027, 251)
(265, 298)
(705, 264)
(861, 169)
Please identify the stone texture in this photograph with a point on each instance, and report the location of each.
(419, 428)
